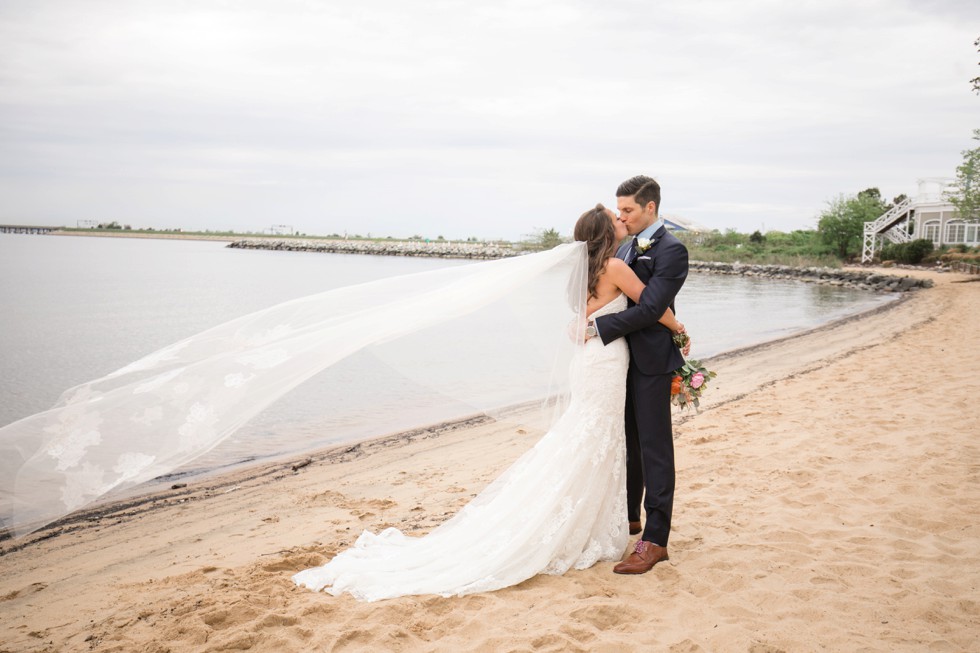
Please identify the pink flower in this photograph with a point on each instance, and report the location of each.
(697, 380)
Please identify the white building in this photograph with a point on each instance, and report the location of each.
(926, 215)
(675, 223)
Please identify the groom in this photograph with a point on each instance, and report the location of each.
(660, 261)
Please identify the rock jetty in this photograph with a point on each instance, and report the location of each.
(430, 249)
(482, 251)
(828, 276)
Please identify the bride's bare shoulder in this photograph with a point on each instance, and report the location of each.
(616, 266)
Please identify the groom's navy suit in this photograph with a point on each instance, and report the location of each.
(653, 357)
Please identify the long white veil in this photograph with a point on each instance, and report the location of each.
(480, 338)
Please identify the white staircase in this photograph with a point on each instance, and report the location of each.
(887, 227)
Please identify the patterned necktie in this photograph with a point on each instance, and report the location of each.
(631, 251)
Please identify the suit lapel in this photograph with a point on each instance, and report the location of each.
(631, 255)
(649, 253)
(627, 252)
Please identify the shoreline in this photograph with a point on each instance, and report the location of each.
(202, 486)
(818, 508)
(155, 236)
(204, 483)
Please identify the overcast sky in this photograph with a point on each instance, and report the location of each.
(489, 119)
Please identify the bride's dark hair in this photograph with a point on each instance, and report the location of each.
(595, 229)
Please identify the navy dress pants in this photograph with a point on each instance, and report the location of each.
(649, 453)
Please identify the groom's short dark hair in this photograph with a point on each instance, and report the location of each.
(643, 189)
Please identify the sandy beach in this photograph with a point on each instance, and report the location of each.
(828, 499)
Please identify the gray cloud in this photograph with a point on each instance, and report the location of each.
(443, 118)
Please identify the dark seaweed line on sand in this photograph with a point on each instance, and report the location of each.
(129, 508)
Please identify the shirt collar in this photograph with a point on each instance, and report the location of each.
(652, 229)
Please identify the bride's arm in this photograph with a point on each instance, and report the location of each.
(626, 280)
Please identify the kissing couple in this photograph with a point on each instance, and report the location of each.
(574, 499)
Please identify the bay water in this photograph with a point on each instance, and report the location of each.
(76, 308)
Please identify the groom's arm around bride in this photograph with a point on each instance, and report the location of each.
(663, 269)
(663, 273)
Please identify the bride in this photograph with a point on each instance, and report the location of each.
(560, 505)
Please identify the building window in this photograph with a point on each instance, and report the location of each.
(930, 231)
(971, 233)
(955, 233)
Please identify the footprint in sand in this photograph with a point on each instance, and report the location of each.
(295, 562)
(33, 588)
(218, 620)
(578, 634)
(277, 621)
(327, 497)
(606, 616)
(550, 642)
(687, 646)
(356, 639)
(765, 648)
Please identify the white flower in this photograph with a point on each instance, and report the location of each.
(237, 380)
(198, 429)
(264, 359)
(129, 465)
(85, 482)
(643, 244)
(81, 395)
(260, 338)
(74, 433)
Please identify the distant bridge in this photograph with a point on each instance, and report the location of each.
(26, 229)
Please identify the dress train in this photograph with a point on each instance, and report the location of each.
(560, 505)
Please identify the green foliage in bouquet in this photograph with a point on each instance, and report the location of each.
(688, 384)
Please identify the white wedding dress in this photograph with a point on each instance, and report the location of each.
(560, 505)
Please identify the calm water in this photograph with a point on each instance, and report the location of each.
(75, 308)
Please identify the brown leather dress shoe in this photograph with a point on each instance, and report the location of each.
(645, 555)
(635, 527)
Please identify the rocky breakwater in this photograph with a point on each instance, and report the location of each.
(431, 249)
(829, 276)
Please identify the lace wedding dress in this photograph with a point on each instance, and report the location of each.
(560, 505)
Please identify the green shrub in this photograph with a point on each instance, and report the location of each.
(799, 248)
(911, 253)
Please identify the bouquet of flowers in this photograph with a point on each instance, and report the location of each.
(688, 383)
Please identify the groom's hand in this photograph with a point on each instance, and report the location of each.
(686, 349)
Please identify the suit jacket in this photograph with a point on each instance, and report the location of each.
(663, 268)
